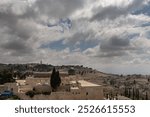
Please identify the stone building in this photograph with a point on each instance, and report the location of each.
(72, 87)
(86, 90)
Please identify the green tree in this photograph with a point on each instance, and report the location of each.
(58, 79)
(52, 79)
(55, 80)
(30, 94)
(6, 76)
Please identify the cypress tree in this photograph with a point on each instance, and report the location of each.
(55, 79)
(52, 79)
(58, 79)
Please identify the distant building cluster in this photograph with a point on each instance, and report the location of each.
(36, 84)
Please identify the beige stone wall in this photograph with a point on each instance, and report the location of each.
(98, 95)
(24, 88)
(64, 93)
(53, 96)
(92, 93)
(35, 81)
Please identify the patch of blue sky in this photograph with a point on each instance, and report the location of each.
(146, 24)
(87, 44)
(56, 45)
(65, 24)
(144, 10)
(59, 45)
(133, 36)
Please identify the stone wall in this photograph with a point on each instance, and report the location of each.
(89, 93)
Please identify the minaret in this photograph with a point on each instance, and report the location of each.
(41, 62)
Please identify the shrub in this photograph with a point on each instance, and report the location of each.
(30, 94)
(46, 93)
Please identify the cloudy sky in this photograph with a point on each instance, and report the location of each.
(109, 35)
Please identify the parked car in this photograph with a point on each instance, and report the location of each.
(6, 93)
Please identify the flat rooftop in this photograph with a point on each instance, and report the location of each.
(20, 81)
(74, 88)
(87, 84)
(123, 98)
(73, 82)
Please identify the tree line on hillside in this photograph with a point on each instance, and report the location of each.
(6, 76)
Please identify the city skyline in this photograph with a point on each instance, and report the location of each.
(110, 36)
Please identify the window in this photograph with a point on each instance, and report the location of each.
(86, 93)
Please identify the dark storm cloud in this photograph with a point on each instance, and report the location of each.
(115, 46)
(112, 12)
(7, 19)
(11, 22)
(14, 45)
(115, 43)
(17, 47)
(18, 29)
